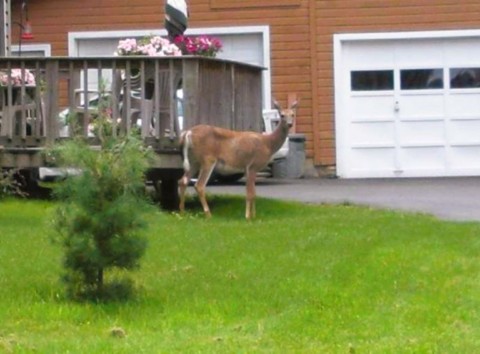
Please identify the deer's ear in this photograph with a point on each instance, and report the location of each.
(294, 105)
(276, 105)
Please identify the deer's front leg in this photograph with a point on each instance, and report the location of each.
(200, 186)
(250, 207)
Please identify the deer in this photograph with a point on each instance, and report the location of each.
(207, 148)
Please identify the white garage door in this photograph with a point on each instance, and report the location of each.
(408, 107)
(249, 44)
(240, 47)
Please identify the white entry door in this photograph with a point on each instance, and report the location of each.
(409, 108)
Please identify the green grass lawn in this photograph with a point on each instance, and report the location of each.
(298, 279)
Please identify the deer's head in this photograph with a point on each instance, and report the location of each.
(287, 114)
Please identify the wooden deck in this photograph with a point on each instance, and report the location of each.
(218, 92)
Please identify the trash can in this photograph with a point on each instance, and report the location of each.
(293, 166)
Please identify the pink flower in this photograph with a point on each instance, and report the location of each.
(172, 49)
(159, 42)
(17, 77)
(201, 45)
(152, 46)
(128, 46)
(147, 49)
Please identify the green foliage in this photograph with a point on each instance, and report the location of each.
(10, 183)
(100, 219)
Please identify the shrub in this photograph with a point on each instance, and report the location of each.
(10, 183)
(100, 218)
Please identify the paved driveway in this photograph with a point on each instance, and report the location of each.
(447, 198)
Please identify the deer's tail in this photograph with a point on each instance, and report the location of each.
(186, 143)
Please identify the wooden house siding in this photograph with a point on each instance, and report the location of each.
(301, 38)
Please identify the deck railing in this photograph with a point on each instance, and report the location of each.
(157, 95)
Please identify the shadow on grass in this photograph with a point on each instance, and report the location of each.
(233, 207)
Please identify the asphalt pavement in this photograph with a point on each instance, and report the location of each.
(453, 198)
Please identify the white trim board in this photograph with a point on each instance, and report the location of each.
(37, 47)
(406, 35)
(73, 38)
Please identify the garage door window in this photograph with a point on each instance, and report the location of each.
(421, 79)
(462, 78)
(374, 80)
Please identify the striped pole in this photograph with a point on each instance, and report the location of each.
(176, 18)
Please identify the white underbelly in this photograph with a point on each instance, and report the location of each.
(224, 169)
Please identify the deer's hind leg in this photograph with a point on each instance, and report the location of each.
(203, 177)
(182, 186)
(251, 176)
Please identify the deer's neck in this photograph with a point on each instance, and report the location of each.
(279, 135)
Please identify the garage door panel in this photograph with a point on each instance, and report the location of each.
(361, 55)
(463, 105)
(464, 131)
(419, 53)
(422, 158)
(465, 157)
(421, 133)
(464, 51)
(421, 106)
(361, 107)
(374, 160)
(245, 47)
(373, 134)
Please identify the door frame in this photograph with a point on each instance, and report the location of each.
(45, 48)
